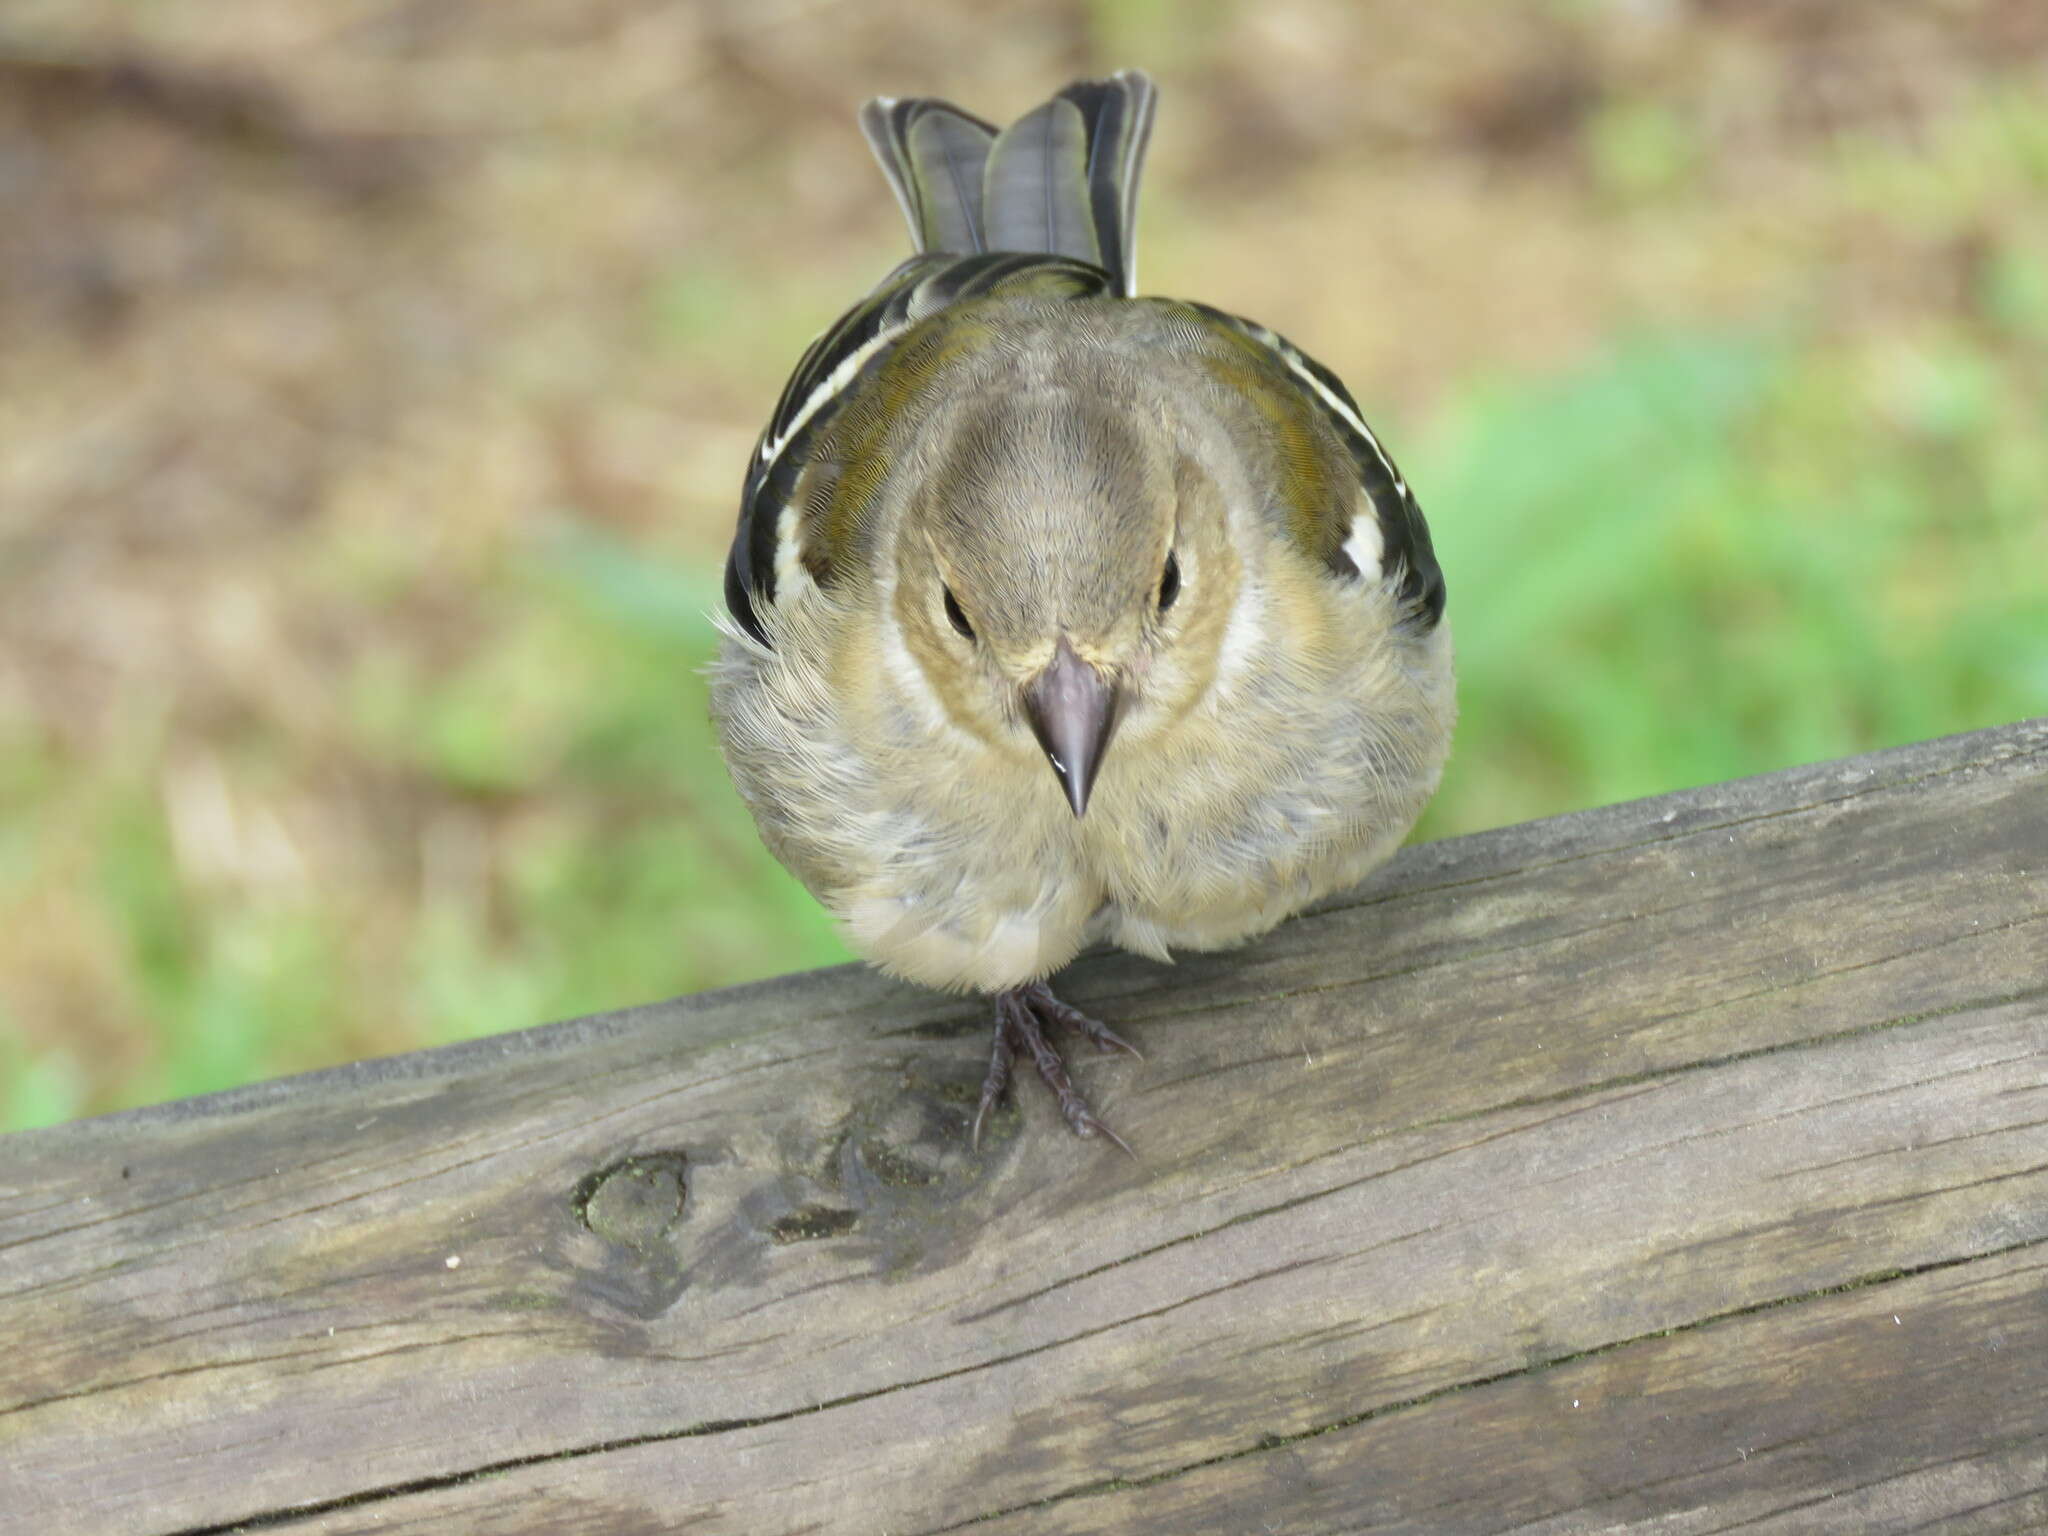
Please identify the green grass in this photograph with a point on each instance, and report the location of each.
(1705, 557)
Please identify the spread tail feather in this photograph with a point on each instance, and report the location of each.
(1061, 180)
(933, 154)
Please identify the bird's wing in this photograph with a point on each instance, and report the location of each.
(1399, 536)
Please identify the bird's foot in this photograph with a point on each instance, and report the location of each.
(1022, 1014)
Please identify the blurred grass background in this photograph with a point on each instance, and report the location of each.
(376, 375)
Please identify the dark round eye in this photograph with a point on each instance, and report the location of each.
(1169, 582)
(954, 616)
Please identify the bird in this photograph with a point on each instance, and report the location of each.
(1059, 615)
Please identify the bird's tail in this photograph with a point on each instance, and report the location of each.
(1062, 179)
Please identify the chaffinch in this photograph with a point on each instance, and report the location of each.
(1059, 614)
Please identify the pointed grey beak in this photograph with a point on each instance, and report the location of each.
(1072, 711)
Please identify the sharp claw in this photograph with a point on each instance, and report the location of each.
(1104, 1038)
(1088, 1125)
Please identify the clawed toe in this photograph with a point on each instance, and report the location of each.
(1067, 1016)
(997, 1082)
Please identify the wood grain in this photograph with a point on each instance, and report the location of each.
(1675, 1166)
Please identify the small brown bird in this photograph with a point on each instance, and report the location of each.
(1008, 515)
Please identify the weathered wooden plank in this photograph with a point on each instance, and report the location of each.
(1411, 1277)
(1537, 1096)
(1786, 1419)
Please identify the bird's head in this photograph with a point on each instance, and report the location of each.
(1064, 579)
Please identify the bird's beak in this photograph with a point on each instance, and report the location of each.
(1072, 711)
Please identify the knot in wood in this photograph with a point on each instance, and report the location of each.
(636, 1203)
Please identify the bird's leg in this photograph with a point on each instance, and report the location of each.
(1021, 1016)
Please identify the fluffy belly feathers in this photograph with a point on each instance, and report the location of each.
(961, 867)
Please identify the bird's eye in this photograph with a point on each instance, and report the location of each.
(955, 617)
(1169, 582)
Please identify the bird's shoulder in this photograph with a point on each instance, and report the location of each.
(1342, 499)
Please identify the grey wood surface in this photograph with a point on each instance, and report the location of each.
(1676, 1166)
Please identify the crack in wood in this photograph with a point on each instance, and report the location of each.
(1922, 1146)
(1834, 1495)
(1954, 1518)
(1271, 1443)
(278, 1519)
(1532, 1101)
(1477, 952)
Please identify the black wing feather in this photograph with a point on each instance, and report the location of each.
(1404, 532)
